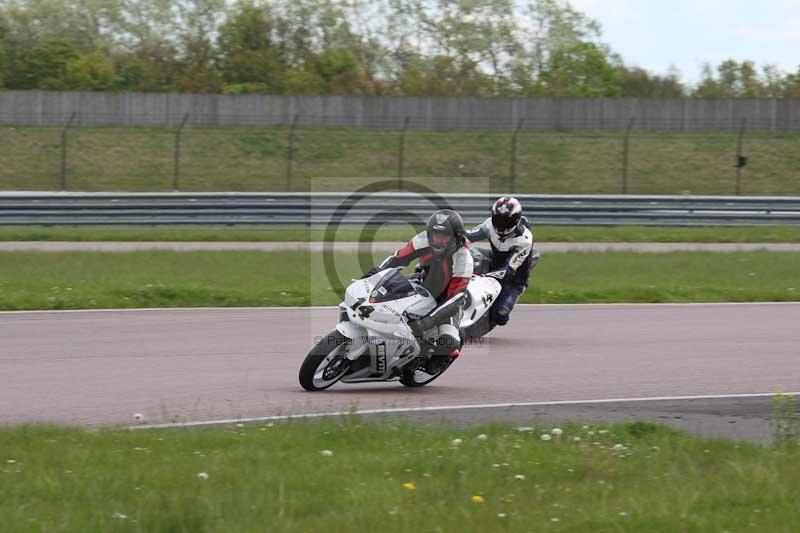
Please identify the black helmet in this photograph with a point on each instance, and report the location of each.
(445, 232)
(506, 214)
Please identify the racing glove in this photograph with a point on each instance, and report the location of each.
(372, 272)
(504, 275)
(390, 262)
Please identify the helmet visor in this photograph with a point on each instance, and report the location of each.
(504, 224)
(440, 241)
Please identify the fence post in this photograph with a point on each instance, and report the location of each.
(741, 159)
(64, 150)
(290, 154)
(177, 177)
(626, 145)
(401, 157)
(513, 170)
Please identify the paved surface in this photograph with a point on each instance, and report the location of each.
(387, 246)
(101, 367)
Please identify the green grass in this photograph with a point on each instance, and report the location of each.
(255, 159)
(76, 280)
(583, 277)
(269, 234)
(274, 478)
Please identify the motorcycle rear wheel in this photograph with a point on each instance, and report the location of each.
(418, 377)
(326, 363)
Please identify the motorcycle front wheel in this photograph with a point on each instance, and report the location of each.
(326, 363)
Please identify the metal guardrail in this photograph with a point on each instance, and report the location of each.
(320, 209)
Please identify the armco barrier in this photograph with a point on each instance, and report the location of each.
(320, 209)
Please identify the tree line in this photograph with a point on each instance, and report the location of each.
(344, 47)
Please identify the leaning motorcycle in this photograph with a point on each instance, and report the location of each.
(373, 340)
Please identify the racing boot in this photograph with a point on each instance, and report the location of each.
(446, 351)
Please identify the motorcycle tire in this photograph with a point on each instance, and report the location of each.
(411, 379)
(316, 377)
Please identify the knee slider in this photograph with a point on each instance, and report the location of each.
(447, 342)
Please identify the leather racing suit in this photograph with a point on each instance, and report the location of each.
(446, 279)
(514, 257)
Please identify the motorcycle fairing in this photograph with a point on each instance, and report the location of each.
(378, 330)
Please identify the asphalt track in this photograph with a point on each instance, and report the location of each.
(190, 365)
(546, 247)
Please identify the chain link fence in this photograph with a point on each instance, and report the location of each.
(189, 153)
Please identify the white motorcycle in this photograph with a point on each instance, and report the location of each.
(373, 341)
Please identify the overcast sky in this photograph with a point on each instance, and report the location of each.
(657, 33)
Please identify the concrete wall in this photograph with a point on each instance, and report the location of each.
(56, 108)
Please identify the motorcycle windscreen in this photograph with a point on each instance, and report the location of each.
(392, 286)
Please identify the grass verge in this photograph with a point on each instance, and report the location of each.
(269, 234)
(81, 280)
(392, 477)
(255, 159)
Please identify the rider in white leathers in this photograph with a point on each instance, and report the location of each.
(512, 253)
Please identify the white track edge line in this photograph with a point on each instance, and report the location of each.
(320, 307)
(392, 410)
